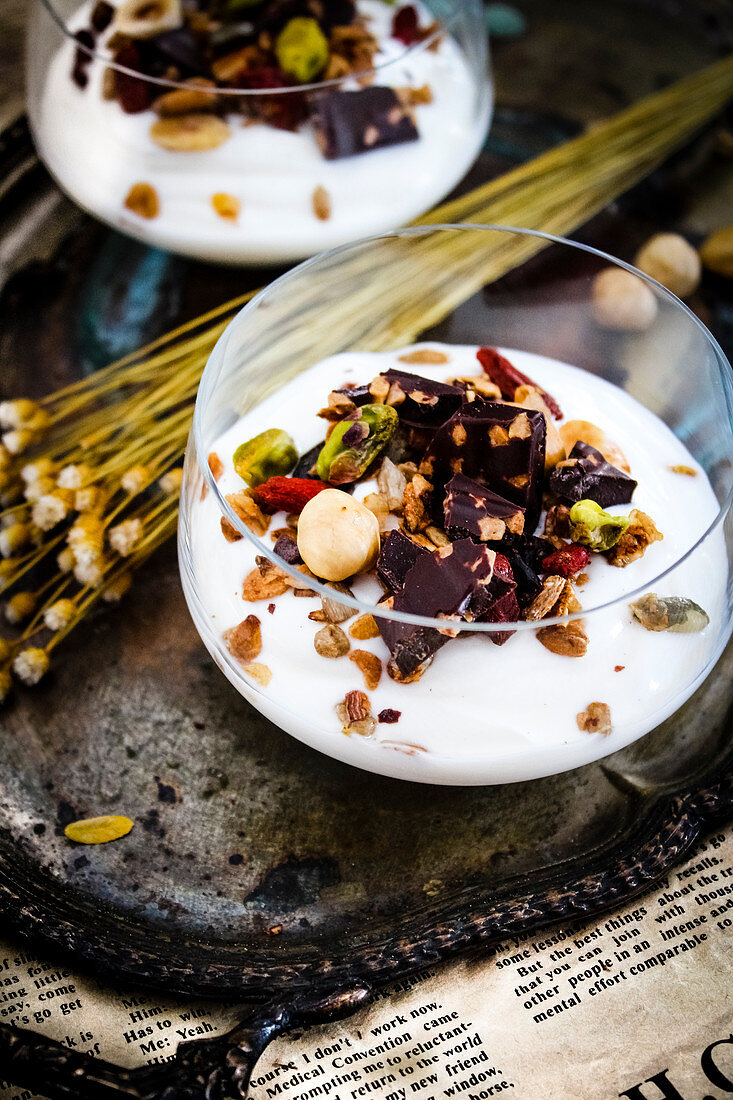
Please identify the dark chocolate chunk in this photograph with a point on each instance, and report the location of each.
(347, 123)
(305, 466)
(360, 395)
(441, 583)
(471, 509)
(396, 557)
(585, 475)
(134, 94)
(102, 13)
(179, 47)
(528, 582)
(500, 446)
(533, 549)
(427, 403)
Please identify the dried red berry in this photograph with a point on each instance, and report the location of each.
(405, 25)
(388, 715)
(288, 494)
(507, 378)
(567, 561)
(133, 94)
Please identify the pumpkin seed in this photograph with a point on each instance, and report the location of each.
(98, 830)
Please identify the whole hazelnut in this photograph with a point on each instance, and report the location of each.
(672, 261)
(621, 300)
(337, 536)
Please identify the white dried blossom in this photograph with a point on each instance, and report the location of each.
(89, 572)
(31, 665)
(72, 477)
(34, 490)
(171, 481)
(86, 500)
(19, 440)
(86, 538)
(14, 414)
(135, 479)
(14, 538)
(49, 511)
(20, 607)
(32, 471)
(125, 535)
(117, 588)
(59, 614)
(66, 560)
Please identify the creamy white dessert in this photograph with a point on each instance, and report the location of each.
(480, 713)
(97, 153)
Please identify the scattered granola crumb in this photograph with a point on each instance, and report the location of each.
(369, 665)
(142, 199)
(260, 673)
(244, 641)
(686, 470)
(330, 641)
(389, 716)
(226, 206)
(230, 533)
(424, 355)
(596, 718)
(640, 534)
(271, 608)
(365, 627)
(249, 511)
(263, 586)
(619, 668)
(321, 204)
(355, 713)
(215, 465)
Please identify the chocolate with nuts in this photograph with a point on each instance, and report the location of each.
(348, 123)
(471, 509)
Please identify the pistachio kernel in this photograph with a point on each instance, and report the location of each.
(594, 528)
(353, 445)
(301, 49)
(269, 454)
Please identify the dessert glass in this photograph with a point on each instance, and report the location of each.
(278, 198)
(484, 714)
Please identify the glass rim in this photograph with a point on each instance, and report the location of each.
(319, 85)
(324, 588)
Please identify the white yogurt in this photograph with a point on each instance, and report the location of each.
(481, 713)
(97, 152)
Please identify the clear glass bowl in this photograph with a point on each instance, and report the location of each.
(278, 197)
(481, 713)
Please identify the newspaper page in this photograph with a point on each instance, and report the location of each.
(637, 1003)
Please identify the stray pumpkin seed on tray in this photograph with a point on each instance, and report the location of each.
(98, 830)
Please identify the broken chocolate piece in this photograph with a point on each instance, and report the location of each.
(439, 584)
(360, 395)
(101, 17)
(396, 558)
(506, 376)
(500, 446)
(472, 509)
(287, 549)
(426, 403)
(347, 123)
(306, 464)
(586, 475)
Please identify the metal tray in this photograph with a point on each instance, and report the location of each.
(258, 870)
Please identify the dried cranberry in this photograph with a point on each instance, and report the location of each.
(388, 715)
(405, 25)
(567, 561)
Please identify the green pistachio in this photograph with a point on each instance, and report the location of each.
(269, 454)
(354, 444)
(594, 528)
(301, 49)
(675, 613)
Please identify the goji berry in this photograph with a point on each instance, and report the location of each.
(288, 494)
(506, 376)
(567, 561)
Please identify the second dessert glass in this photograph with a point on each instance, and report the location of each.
(233, 173)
